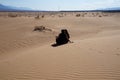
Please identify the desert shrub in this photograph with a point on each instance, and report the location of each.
(42, 16)
(100, 16)
(12, 15)
(41, 28)
(38, 17)
(77, 15)
(60, 15)
(105, 15)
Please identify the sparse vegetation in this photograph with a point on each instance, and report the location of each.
(12, 15)
(100, 16)
(60, 15)
(42, 16)
(39, 17)
(77, 15)
(41, 28)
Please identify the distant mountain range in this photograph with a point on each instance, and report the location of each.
(114, 8)
(12, 8)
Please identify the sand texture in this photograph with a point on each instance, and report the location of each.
(26, 54)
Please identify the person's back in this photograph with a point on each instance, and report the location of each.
(66, 32)
(63, 37)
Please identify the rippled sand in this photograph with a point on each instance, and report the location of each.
(28, 55)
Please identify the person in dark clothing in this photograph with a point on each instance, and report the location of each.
(63, 37)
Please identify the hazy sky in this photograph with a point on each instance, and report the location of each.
(62, 4)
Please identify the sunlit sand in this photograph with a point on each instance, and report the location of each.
(26, 54)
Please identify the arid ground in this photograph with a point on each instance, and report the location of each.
(26, 54)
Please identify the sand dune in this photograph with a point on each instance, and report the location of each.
(96, 59)
(28, 55)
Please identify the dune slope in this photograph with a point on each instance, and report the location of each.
(90, 59)
(28, 55)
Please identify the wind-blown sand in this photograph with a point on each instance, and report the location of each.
(28, 55)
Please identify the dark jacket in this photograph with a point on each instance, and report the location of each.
(63, 37)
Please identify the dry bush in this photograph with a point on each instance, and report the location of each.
(39, 17)
(100, 16)
(42, 16)
(105, 14)
(77, 15)
(60, 15)
(12, 15)
(41, 28)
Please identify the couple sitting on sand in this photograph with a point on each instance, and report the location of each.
(63, 37)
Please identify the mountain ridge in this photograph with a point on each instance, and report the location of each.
(12, 8)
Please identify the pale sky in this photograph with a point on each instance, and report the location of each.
(62, 4)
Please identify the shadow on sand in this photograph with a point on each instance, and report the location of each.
(56, 45)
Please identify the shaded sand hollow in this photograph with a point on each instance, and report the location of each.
(28, 55)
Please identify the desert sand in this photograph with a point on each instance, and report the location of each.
(26, 54)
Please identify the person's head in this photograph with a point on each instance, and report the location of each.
(63, 30)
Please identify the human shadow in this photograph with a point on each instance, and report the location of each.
(57, 45)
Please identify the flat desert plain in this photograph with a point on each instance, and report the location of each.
(26, 54)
